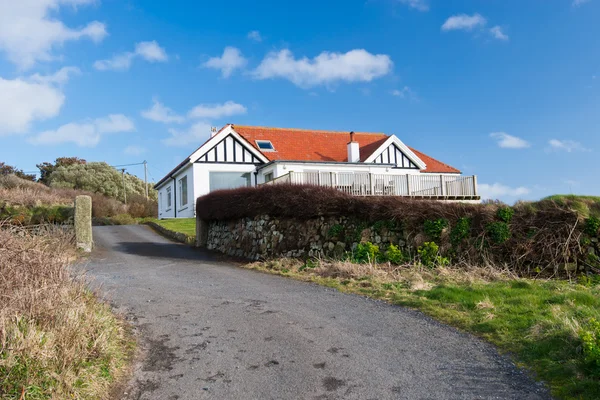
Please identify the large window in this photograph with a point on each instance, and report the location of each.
(169, 197)
(183, 191)
(228, 180)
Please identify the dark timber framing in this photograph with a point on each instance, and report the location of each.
(393, 155)
(232, 157)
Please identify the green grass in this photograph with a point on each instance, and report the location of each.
(182, 225)
(572, 197)
(538, 323)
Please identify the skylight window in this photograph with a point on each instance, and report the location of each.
(265, 145)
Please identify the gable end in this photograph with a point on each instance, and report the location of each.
(394, 155)
(229, 150)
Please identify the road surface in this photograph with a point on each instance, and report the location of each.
(211, 330)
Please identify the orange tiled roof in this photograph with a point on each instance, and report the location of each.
(434, 165)
(319, 145)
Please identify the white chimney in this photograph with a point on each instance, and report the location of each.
(213, 131)
(353, 150)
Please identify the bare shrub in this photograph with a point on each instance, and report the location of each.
(56, 340)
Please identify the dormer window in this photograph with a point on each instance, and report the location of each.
(265, 145)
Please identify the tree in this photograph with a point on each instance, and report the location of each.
(6, 169)
(47, 168)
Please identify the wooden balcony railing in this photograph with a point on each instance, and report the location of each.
(367, 184)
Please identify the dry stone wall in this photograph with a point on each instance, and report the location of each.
(264, 237)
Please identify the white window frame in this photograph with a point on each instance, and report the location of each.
(269, 176)
(169, 198)
(183, 200)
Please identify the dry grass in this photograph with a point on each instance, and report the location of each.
(56, 340)
(20, 193)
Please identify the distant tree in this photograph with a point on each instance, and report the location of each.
(98, 177)
(6, 169)
(46, 168)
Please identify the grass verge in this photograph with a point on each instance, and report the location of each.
(547, 326)
(187, 226)
(57, 341)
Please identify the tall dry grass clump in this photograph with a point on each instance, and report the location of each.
(56, 340)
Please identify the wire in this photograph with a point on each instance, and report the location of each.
(126, 165)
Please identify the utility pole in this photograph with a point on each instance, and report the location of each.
(146, 178)
(124, 192)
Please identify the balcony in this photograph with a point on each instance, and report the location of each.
(426, 186)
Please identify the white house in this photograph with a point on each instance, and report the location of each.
(363, 164)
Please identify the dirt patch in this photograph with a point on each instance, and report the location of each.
(160, 357)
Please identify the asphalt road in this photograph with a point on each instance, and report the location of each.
(211, 330)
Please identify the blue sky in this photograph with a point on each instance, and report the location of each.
(509, 91)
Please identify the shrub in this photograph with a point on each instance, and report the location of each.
(498, 232)
(505, 214)
(590, 337)
(367, 253)
(430, 257)
(461, 231)
(434, 228)
(394, 255)
(592, 226)
(123, 219)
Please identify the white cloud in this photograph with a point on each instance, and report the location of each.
(60, 77)
(421, 5)
(464, 22)
(507, 141)
(231, 60)
(29, 32)
(23, 102)
(134, 150)
(404, 93)
(255, 35)
(497, 190)
(196, 134)
(566, 145)
(577, 3)
(160, 113)
(327, 68)
(498, 33)
(114, 123)
(84, 134)
(149, 51)
(215, 111)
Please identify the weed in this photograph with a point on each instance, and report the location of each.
(430, 257)
(394, 255)
(335, 231)
(505, 214)
(498, 232)
(590, 337)
(367, 253)
(434, 228)
(592, 226)
(461, 231)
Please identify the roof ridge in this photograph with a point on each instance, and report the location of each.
(306, 130)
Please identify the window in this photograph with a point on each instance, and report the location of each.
(183, 191)
(265, 145)
(161, 205)
(169, 197)
(228, 180)
(268, 177)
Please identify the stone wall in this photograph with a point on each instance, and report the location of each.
(265, 237)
